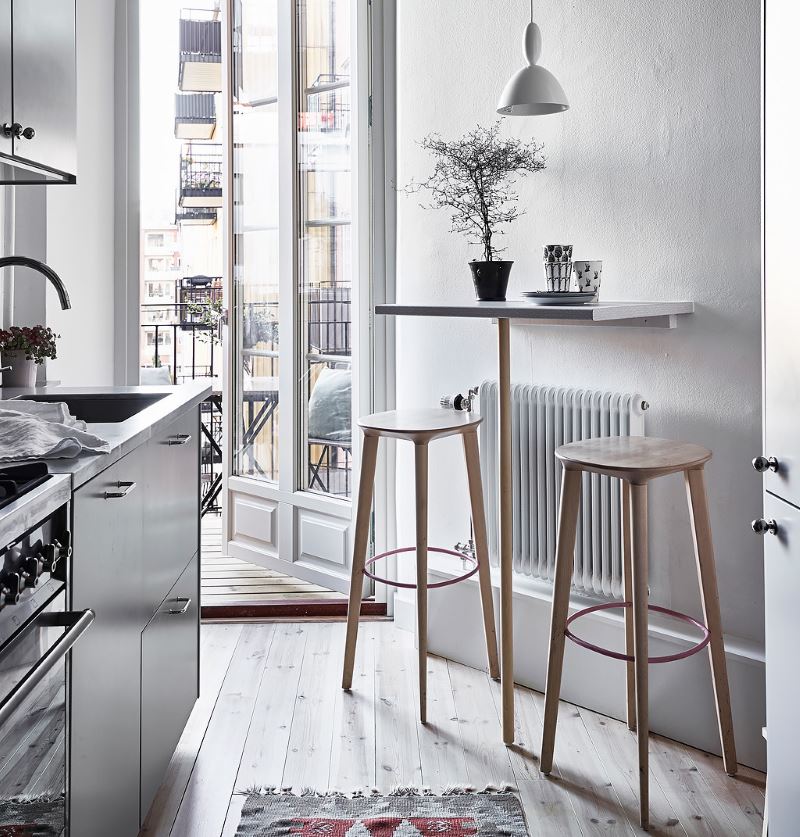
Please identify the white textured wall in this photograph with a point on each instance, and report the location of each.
(80, 218)
(655, 170)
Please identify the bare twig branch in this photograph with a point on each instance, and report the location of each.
(473, 177)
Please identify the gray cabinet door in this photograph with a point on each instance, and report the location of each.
(106, 576)
(44, 81)
(782, 581)
(6, 107)
(781, 299)
(170, 678)
(172, 515)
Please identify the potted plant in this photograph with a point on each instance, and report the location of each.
(473, 176)
(23, 349)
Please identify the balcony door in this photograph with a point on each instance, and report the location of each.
(297, 289)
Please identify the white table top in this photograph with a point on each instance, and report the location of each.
(620, 313)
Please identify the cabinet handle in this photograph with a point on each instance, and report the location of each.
(180, 439)
(28, 133)
(179, 611)
(763, 527)
(125, 489)
(13, 130)
(765, 463)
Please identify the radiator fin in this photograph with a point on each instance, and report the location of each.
(544, 418)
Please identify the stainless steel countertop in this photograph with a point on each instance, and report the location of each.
(123, 436)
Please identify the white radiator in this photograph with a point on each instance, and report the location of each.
(544, 418)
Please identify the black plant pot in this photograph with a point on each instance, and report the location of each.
(490, 280)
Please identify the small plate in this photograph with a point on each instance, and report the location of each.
(561, 297)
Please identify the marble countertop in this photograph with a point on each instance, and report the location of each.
(123, 436)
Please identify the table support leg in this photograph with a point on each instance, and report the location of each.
(506, 532)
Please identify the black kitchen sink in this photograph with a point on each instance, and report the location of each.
(101, 408)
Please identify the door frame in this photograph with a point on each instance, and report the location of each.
(286, 505)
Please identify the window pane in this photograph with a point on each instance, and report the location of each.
(325, 269)
(255, 238)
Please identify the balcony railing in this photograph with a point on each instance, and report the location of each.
(195, 116)
(201, 176)
(195, 215)
(200, 44)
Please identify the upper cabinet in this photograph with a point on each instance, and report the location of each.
(37, 92)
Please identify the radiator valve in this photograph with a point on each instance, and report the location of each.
(459, 402)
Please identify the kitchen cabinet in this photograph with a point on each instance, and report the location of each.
(170, 674)
(780, 462)
(781, 582)
(38, 91)
(135, 680)
(107, 577)
(172, 475)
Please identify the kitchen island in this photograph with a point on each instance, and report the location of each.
(135, 537)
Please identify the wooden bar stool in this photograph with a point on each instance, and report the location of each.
(636, 460)
(419, 427)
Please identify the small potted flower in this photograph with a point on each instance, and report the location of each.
(23, 349)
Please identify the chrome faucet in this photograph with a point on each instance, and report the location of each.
(47, 272)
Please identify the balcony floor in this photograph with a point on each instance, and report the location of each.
(229, 584)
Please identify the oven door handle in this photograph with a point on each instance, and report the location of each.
(79, 622)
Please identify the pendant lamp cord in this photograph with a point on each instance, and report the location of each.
(531, 11)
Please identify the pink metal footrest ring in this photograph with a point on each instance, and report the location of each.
(469, 559)
(669, 658)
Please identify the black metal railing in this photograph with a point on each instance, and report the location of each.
(182, 337)
(201, 175)
(201, 298)
(195, 214)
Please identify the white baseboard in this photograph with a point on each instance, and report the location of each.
(681, 695)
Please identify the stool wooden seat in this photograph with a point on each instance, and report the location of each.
(420, 427)
(636, 460)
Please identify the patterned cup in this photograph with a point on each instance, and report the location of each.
(588, 275)
(558, 266)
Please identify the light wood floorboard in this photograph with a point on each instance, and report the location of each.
(272, 714)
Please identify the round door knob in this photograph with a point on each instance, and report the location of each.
(28, 133)
(762, 527)
(13, 130)
(765, 463)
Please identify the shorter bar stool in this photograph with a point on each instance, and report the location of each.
(636, 460)
(419, 427)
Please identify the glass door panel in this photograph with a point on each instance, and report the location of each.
(255, 239)
(325, 246)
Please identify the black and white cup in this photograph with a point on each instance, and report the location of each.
(588, 275)
(558, 266)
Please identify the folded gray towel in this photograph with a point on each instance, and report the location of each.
(44, 430)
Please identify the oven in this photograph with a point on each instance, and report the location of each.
(36, 634)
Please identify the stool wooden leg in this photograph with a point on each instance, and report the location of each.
(707, 576)
(421, 485)
(472, 457)
(630, 682)
(369, 455)
(565, 558)
(639, 564)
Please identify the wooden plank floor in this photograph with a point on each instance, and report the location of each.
(271, 713)
(227, 580)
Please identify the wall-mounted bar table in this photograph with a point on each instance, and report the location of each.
(641, 314)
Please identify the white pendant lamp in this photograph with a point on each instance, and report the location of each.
(533, 91)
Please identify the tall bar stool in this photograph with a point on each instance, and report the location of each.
(419, 427)
(635, 461)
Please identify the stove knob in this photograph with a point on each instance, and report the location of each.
(55, 552)
(31, 570)
(10, 588)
